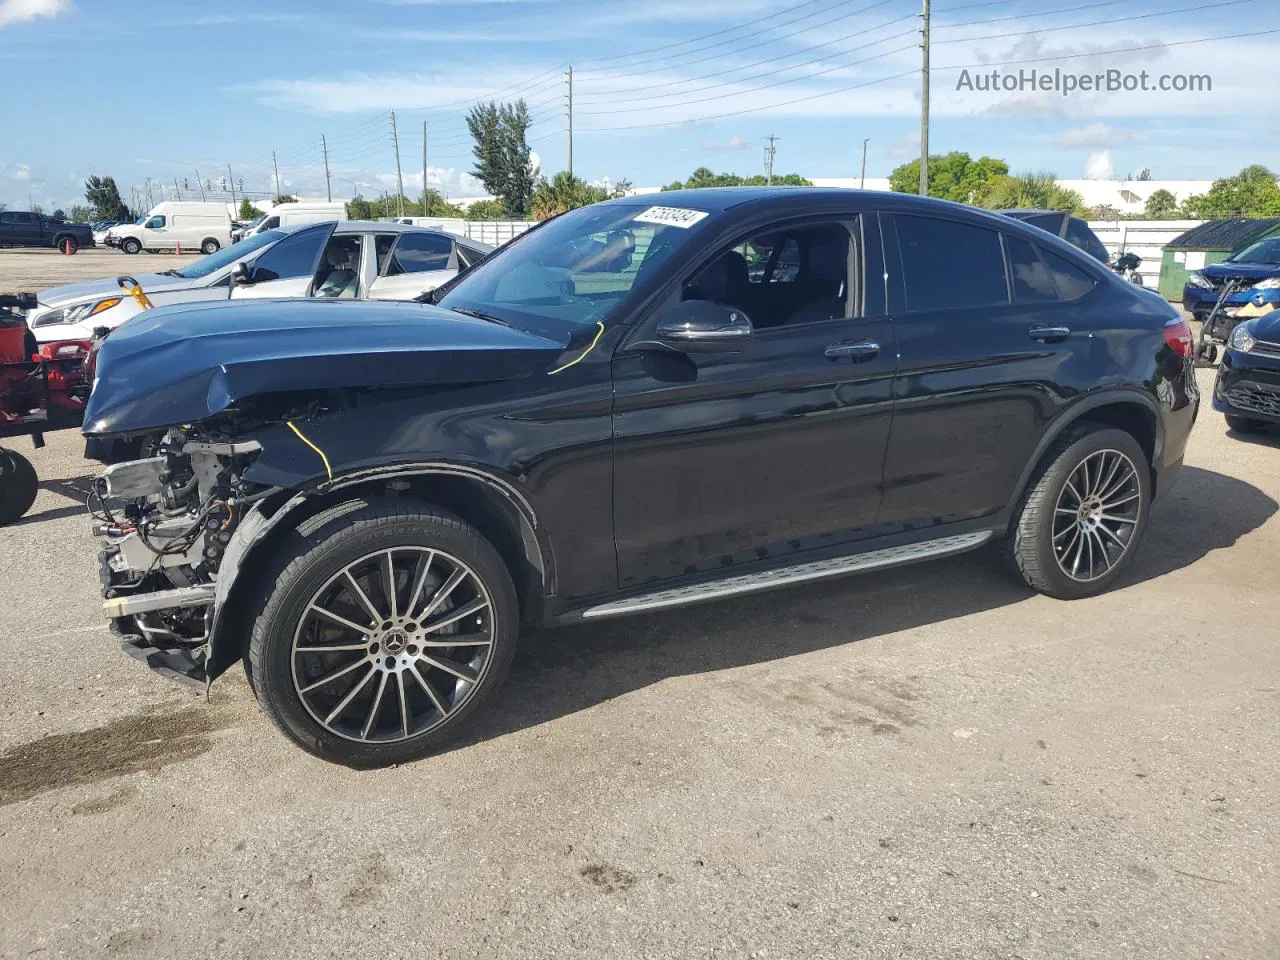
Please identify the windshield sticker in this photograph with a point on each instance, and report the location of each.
(671, 216)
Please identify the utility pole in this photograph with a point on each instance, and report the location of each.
(200, 184)
(863, 184)
(328, 187)
(395, 142)
(275, 166)
(570, 75)
(177, 194)
(424, 168)
(149, 203)
(232, 184)
(769, 150)
(924, 103)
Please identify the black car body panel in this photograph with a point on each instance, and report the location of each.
(186, 363)
(1248, 383)
(631, 465)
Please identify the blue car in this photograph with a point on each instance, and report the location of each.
(1254, 273)
(1248, 385)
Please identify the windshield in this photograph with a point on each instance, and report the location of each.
(1264, 251)
(573, 271)
(216, 261)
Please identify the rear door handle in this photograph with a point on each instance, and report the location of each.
(857, 350)
(1049, 334)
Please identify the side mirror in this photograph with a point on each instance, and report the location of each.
(241, 275)
(705, 326)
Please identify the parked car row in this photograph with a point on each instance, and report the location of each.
(342, 260)
(631, 407)
(23, 229)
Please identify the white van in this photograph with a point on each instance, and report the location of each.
(172, 225)
(286, 215)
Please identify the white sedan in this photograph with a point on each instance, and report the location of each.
(348, 259)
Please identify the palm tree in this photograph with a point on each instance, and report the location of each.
(1037, 190)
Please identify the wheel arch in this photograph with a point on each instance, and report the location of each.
(1130, 410)
(491, 505)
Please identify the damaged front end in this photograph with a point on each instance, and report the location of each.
(167, 520)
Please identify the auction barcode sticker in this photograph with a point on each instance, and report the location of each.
(671, 216)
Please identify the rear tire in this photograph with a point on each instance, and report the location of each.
(131, 245)
(1244, 424)
(68, 246)
(18, 485)
(210, 246)
(393, 694)
(1082, 517)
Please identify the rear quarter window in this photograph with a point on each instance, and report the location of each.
(1072, 282)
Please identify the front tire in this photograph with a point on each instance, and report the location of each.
(382, 630)
(1244, 424)
(131, 245)
(18, 485)
(209, 246)
(1080, 521)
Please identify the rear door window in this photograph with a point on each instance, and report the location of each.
(420, 253)
(1032, 282)
(947, 264)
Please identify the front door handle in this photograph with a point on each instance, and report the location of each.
(856, 350)
(1049, 334)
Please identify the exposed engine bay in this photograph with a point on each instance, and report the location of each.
(167, 520)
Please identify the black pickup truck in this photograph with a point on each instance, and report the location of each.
(36, 230)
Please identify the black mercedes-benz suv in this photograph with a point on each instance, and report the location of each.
(640, 404)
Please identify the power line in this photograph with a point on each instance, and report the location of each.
(771, 60)
(912, 72)
(1099, 23)
(770, 38)
(715, 33)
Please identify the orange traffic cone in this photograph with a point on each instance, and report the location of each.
(179, 248)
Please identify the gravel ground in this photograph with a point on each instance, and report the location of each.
(928, 762)
(37, 270)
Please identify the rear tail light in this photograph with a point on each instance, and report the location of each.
(1177, 334)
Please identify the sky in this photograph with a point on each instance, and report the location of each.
(161, 89)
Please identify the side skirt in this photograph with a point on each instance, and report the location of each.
(784, 576)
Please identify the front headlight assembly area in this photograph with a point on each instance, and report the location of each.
(77, 313)
(1241, 338)
(1196, 279)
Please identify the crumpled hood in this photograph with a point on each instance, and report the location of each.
(184, 363)
(106, 287)
(1251, 272)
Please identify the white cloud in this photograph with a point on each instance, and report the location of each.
(1095, 136)
(22, 11)
(1099, 166)
(16, 171)
(906, 147)
(733, 143)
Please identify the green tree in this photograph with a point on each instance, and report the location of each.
(81, 214)
(502, 153)
(1252, 192)
(562, 193)
(58, 214)
(1161, 205)
(104, 199)
(705, 177)
(487, 210)
(1039, 191)
(358, 208)
(286, 198)
(248, 211)
(952, 176)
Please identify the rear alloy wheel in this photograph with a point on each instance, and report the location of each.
(209, 246)
(18, 485)
(1244, 424)
(1080, 522)
(131, 245)
(386, 627)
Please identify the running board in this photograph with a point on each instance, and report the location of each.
(801, 573)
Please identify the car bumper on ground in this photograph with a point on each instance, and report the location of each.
(1248, 384)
